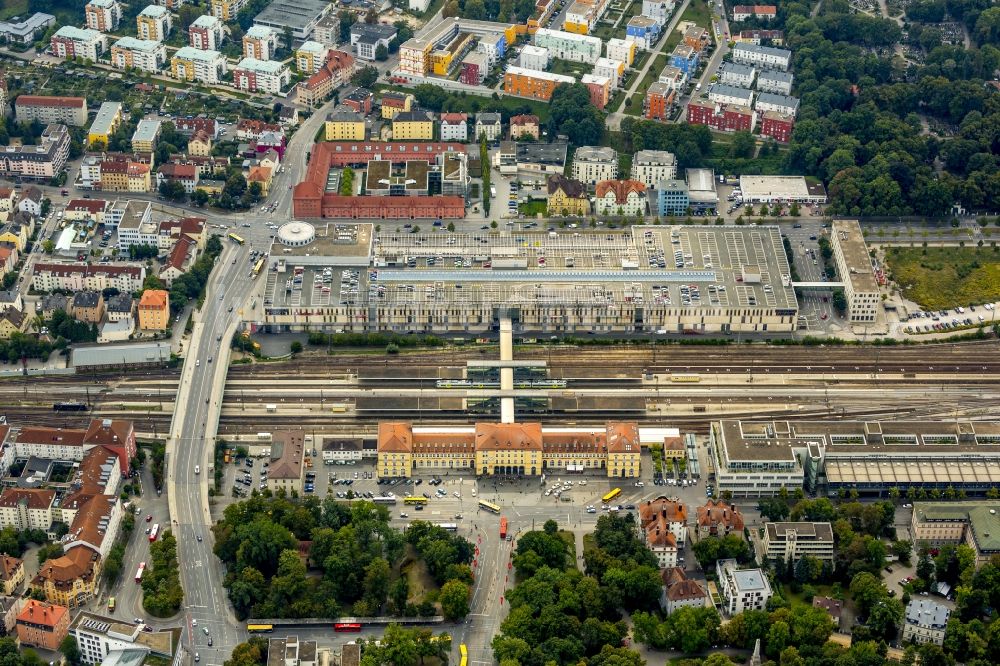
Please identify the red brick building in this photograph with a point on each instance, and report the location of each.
(359, 101)
(776, 125)
(721, 117)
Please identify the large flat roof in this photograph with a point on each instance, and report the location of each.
(848, 237)
(296, 14)
(127, 354)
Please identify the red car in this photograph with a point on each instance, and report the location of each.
(149, 518)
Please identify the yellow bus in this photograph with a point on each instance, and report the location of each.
(465, 655)
(258, 267)
(111, 604)
(259, 628)
(415, 500)
(611, 495)
(489, 506)
(236, 239)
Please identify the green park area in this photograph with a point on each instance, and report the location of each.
(944, 277)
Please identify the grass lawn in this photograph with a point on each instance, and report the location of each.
(939, 278)
(568, 67)
(570, 540)
(589, 542)
(12, 8)
(417, 575)
(533, 208)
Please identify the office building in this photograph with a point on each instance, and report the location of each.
(367, 37)
(203, 66)
(975, 524)
(120, 642)
(71, 42)
(153, 23)
(854, 266)
(206, 33)
(299, 16)
(253, 75)
(741, 589)
(925, 622)
(672, 198)
(789, 542)
(142, 54)
(287, 461)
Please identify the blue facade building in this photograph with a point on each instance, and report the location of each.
(685, 59)
(672, 198)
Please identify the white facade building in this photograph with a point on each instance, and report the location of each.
(660, 10)
(206, 33)
(592, 164)
(569, 46)
(772, 81)
(783, 104)
(741, 589)
(613, 69)
(652, 166)
(767, 57)
(721, 93)
(143, 54)
(792, 541)
(255, 75)
(734, 74)
(534, 57)
(191, 64)
(69, 42)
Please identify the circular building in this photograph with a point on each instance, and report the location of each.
(296, 234)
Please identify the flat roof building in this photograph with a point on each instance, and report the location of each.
(854, 268)
(789, 542)
(299, 15)
(741, 589)
(781, 189)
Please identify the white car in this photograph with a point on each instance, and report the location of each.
(457, 495)
(473, 492)
(197, 469)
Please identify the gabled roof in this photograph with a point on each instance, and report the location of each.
(620, 188)
(573, 189)
(509, 436)
(719, 512)
(179, 253)
(395, 437)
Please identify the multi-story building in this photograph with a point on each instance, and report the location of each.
(74, 277)
(135, 224)
(102, 639)
(663, 528)
(622, 49)
(659, 10)
(88, 306)
(493, 46)
(718, 518)
(679, 591)
(413, 125)
(524, 126)
(360, 100)
(613, 69)
(120, 307)
(534, 57)
(722, 118)
(733, 74)
(644, 30)
(507, 449)
(488, 124)
(27, 30)
(287, 461)
(187, 175)
(684, 58)
(771, 81)
(227, 9)
(789, 542)
(783, 104)
(569, 46)
(593, 163)
(191, 64)
(620, 197)
(344, 126)
(672, 198)
(206, 33)
(72, 42)
(309, 57)
(975, 524)
(850, 252)
(741, 589)
(142, 54)
(765, 57)
(46, 110)
(200, 144)
(393, 103)
(366, 38)
(103, 15)
(760, 37)
(730, 95)
(44, 625)
(42, 161)
(533, 84)
(11, 573)
(27, 508)
(253, 75)
(697, 38)
(334, 72)
(925, 622)
(475, 67)
(760, 12)
(153, 23)
(599, 88)
(106, 122)
(777, 126)
(582, 16)
(454, 126)
(260, 42)
(659, 99)
(154, 310)
(651, 166)
(566, 196)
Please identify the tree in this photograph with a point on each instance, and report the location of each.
(199, 197)
(365, 77)
(454, 600)
(296, 347)
(742, 145)
(572, 113)
(251, 653)
(70, 650)
(886, 614)
(381, 52)
(48, 246)
(172, 190)
(867, 590)
(346, 21)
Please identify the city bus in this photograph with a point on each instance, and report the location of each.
(451, 527)
(415, 500)
(611, 495)
(259, 628)
(391, 499)
(153, 533)
(503, 527)
(111, 604)
(236, 239)
(141, 570)
(347, 626)
(465, 655)
(489, 506)
(258, 267)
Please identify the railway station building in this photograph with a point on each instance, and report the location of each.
(508, 449)
(758, 459)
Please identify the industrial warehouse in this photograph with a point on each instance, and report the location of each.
(645, 280)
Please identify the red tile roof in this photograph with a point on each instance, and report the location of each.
(620, 188)
(39, 612)
(179, 253)
(52, 436)
(42, 100)
(509, 436)
(35, 498)
(92, 206)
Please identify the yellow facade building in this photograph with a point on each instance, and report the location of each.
(227, 9)
(524, 449)
(567, 196)
(108, 118)
(394, 103)
(413, 125)
(344, 126)
(154, 310)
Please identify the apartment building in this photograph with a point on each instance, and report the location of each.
(534, 57)
(27, 509)
(395, 102)
(154, 310)
(599, 89)
(644, 30)
(659, 99)
(145, 135)
(42, 161)
(685, 58)
(153, 23)
(975, 524)
(206, 33)
(679, 591)
(488, 124)
(566, 196)
(74, 277)
(658, 10)
(854, 266)
(18, 31)
(260, 42)
(475, 67)
(766, 57)
(721, 117)
(253, 75)
(593, 163)
(120, 307)
(733, 74)
(191, 64)
(620, 198)
(741, 589)
(413, 125)
(533, 84)
(760, 12)
(783, 104)
(72, 42)
(925, 621)
(287, 461)
(43, 625)
(771, 81)
(777, 126)
(46, 110)
(103, 15)
(88, 306)
(760, 37)
(663, 528)
(730, 95)
(651, 166)
(366, 38)
(454, 127)
(697, 38)
(309, 57)
(718, 518)
(789, 542)
(142, 54)
(569, 46)
(107, 120)
(344, 126)
(525, 125)
(11, 573)
(613, 69)
(227, 9)
(334, 72)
